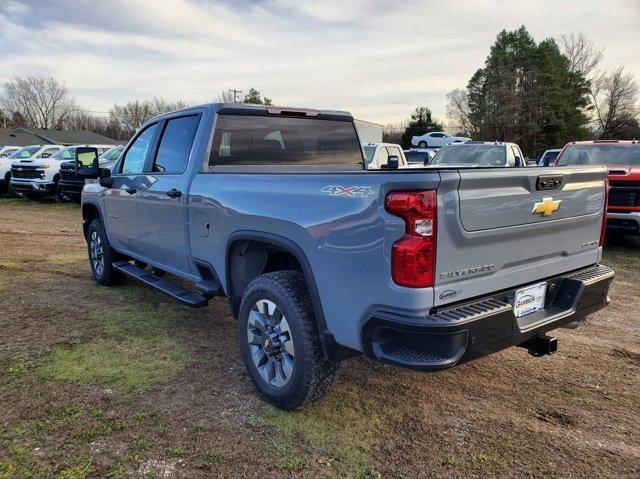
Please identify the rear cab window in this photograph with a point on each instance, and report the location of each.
(281, 140)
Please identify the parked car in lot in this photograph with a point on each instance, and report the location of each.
(622, 159)
(436, 139)
(5, 167)
(25, 157)
(479, 154)
(70, 185)
(419, 157)
(377, 155)
(38, 177)
(549, 157)
(273, 208)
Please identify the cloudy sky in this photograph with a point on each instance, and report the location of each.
(378, 59)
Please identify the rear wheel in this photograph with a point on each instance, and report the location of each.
(280, 343)
(100, 256)
(423, 144)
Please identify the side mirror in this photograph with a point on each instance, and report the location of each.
(392, 163)
(532, 163)
(87, 165)
(45, 155)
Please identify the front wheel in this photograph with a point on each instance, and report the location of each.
(62, 196)
(280, 343)
(100, 256)
(422, 144)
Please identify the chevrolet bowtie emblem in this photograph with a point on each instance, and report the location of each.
(546, 206)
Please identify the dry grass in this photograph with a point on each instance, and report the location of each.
(121, 382)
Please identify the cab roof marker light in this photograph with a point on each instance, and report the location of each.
(292, 111)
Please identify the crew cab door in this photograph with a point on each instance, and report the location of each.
(162, 217)
(121, 200)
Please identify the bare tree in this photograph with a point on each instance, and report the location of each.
(225, 96)
(133, 114)
(583, 56)
(615, 100)
(459, 114)
(39, 102)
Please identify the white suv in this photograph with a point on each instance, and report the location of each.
(39, 175)
(436, 139)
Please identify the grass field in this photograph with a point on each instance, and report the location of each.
(122, 382)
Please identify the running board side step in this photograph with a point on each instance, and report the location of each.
(193, 299)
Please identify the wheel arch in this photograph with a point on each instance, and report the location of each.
(90, 212)
(332, 350)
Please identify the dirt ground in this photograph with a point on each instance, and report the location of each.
(122, 382)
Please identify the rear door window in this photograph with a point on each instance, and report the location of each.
(133, 163)
(175, 145)
(270, 140)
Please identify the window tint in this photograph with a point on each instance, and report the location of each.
(135, 157)
(175, 144)
(269, 140)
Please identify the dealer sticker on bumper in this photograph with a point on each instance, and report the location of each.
(530, 299)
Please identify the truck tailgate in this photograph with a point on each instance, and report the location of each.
(502, 228)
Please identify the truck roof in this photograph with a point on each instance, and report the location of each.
(251, 109)
(604, 142)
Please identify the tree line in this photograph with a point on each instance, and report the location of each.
(47, 103)
(539, 95)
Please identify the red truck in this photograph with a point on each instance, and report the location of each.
(622, 158)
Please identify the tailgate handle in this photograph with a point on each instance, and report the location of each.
(548, 182)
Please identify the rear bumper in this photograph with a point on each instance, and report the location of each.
(628, 221)
(457, 334)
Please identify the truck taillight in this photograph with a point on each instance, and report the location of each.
(413, 256)
(606, 206)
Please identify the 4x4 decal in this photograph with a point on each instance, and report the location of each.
(360, 191)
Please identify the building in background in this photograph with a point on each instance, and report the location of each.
(25, 136)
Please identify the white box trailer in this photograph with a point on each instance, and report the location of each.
(368, 132)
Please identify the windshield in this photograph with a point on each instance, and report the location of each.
(26, 152)
(5, 152)
(65, 154)
(416, 157)
(112, 154)
(477, 155)
(601, 155)
(369, 151)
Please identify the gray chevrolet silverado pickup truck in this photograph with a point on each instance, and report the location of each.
(322, 260)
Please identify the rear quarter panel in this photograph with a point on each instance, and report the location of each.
(346, 239)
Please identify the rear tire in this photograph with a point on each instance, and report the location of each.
(280, 342)
(423, 144)
(100, 255)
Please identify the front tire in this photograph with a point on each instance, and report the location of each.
(100, 256)
(422, 144)
(62, 196)
(280, 342)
